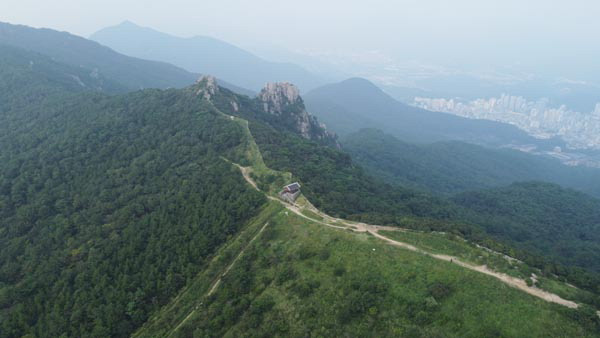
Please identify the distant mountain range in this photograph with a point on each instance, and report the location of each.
(206, 55)
(79, 52)
(100, 61)
(356, 103)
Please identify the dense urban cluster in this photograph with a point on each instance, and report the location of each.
(578, 129)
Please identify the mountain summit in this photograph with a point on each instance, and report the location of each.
(278, 105)
(276, 96)
(283, 99)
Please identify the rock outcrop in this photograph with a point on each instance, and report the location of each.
(278, 104)
(283, 100)
(276, 96)
(207, 87)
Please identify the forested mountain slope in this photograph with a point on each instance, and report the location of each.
(453, 167)
(108, 205)
(356, 103)
(542, 218)
(31, 84)
(24, 70)
(76, 51)
(112, 206)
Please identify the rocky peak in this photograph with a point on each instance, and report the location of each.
(283, 100)
(207, 86)
(276, 96)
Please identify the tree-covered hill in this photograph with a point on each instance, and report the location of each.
(27, 77)
(356, 103)
(33, 87)
(453, 167)
(76, 51)
(108, 205)
(111, 207)
(541, 218)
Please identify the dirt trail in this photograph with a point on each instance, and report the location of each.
(374, 230)
(511, 281)
(216, 284)
(246, 173)
(292, 207)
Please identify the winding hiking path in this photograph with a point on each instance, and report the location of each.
(374, 230)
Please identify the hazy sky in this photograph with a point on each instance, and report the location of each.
(536, 33)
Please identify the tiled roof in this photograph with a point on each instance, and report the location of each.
(293, 186)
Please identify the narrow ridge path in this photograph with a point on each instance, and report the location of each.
(374, 230)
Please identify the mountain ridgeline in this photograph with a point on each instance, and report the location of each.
(110, 203)
(124, 212)
(337, 185)
(76, 51)
(356, 103)
(278, 104)
(204, 55)
(125, 72)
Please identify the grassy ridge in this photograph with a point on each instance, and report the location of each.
(300, 278)
(267, 180)
(449, 244)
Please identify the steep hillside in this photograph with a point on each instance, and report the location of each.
(541, 218)
(99, 60)
(356, 103)
(205, 55)
(453, 167)
(108, 205)
(30, 75)
(31, 84)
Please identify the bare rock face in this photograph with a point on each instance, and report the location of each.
(281, 102)
(207, 87)
(283, 99)
(275, 96)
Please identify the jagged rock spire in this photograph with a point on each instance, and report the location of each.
(283, 99)
(207, 86)
(275, 96)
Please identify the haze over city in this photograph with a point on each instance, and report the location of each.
(530, 36)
